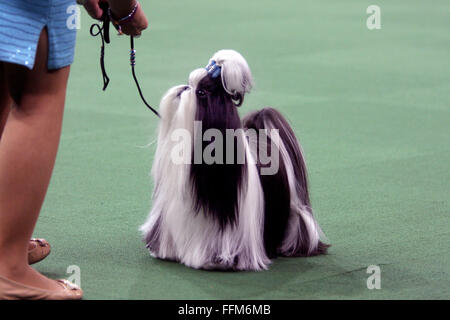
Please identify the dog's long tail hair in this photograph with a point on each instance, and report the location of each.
(290, 228)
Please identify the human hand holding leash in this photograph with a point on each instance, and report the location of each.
(127, 16)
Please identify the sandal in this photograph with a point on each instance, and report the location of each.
(11, 290)
(40, 251)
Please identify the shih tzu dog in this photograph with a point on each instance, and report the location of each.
(229, 194)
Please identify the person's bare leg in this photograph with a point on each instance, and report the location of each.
(27, 154)
(5, 106)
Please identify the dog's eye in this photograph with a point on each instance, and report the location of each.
(201, 93)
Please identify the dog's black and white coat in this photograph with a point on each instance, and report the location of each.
(227, 216)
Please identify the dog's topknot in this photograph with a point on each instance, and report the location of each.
(236, 75)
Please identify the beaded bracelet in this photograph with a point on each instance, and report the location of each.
(117, 23)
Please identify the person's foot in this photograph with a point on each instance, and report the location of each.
(30, 284)
(30, 277)
(38, 250)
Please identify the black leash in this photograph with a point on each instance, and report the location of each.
(103, 31)
(133, 63)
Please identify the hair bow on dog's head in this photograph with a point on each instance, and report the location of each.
(213, 69)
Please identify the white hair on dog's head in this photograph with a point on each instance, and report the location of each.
(221, 215)
(236, 74)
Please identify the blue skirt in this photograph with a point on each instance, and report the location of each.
(21, 23)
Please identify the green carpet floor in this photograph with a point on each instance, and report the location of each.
(371, 109)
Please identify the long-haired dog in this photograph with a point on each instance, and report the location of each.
(230, 210)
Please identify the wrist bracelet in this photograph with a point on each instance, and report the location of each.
(117, 23)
